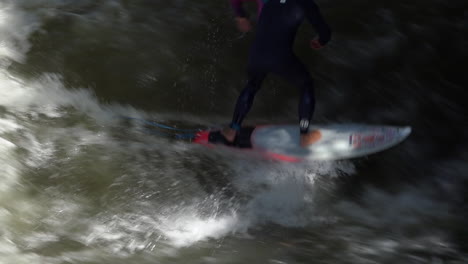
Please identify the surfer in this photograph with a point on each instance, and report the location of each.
(272, 52)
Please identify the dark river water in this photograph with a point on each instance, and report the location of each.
(80, 184)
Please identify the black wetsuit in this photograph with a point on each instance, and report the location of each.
(272, 52)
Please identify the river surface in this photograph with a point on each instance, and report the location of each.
(81, 184)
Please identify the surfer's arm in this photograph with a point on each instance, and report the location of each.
(243, 23)
(315, 18)
(259, 6)
(239, 10)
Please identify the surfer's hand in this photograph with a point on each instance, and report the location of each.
(315, 44)
(243, 24)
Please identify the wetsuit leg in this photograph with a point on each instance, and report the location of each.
(297, 74)
(245, 100)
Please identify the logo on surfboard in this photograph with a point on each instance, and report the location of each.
(370, 140)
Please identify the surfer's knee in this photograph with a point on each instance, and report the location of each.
(254, 83)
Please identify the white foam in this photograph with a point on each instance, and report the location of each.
(16, 26)
(281, 194)
(44, 221)
(48, 96)
(9, 169)
(285, 195)
(187, 229)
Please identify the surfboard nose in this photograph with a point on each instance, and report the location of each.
(405, 131)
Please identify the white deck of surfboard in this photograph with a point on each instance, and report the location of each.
(338, 141)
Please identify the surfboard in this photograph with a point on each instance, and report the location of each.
(336, 141)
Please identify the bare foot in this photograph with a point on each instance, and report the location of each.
(310, 138)
(229, 134)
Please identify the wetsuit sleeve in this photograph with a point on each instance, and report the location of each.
(259, 6)
(239, 10)
(315, 18)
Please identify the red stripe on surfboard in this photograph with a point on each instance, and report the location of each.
(281, 157)
(202, 138)
(272, 155)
